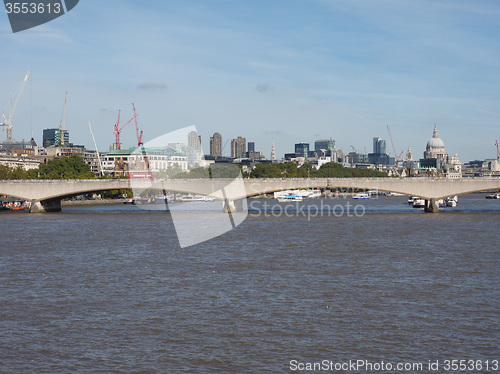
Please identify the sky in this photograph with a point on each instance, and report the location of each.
(290, 70)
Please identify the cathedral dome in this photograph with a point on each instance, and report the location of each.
(435, 147)
(435, 141)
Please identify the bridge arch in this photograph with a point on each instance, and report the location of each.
(52, 191)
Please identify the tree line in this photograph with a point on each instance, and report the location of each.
(74, 167)
(274, 170)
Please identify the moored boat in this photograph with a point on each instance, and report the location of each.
(493, 196)
(361, 195)
(418, 203)
(451, 201)
(289, 197)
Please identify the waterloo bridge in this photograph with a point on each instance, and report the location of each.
(46, 195)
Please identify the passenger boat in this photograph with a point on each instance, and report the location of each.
(304, 194)
(361, 195)
(418, 203)
(289, 197)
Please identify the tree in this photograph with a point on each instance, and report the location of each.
(72, 167)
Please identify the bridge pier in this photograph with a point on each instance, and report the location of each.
(50, 205)
(431, 206)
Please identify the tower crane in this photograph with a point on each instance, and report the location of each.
(139, 135)
(118, 129)
(7, 122)
(63, 121)
(396, 157)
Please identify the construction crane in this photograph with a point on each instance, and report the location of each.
(139, 135)
(396, 157)
(119, 129)
(63, 121)
(498, 150)
(101, 171)
(7, 122)
(354, 149)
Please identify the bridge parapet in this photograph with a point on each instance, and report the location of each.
(427, 188)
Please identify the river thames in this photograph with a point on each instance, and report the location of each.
(108, 289)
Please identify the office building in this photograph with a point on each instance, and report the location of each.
(325, 144)
(55, 138)
(302, 149)
(251, 150)
(379, 146)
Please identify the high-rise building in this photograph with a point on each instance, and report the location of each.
(379, 155)
(379, 146)
(55, 137)
(273, 153)
(216, 144)
(326, 144)
(194, 140)
(238, 147)
(302, 149)
(251, 150)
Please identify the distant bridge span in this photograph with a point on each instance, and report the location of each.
(46, 195)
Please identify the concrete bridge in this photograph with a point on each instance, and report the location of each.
(46, 195)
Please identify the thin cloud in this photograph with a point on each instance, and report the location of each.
(264, 87)
(152, 86)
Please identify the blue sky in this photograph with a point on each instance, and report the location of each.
(292, 70)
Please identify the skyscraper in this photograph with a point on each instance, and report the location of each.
(251, 150)
(379, 146)
(216, 144)
(238, 147)
(194, 140)
(379, 155)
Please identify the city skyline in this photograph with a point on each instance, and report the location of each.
(296, 73)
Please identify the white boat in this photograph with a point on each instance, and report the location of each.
(393, 194)
(493, 196)
(361, 195)
(418, 203)
(196, 198)
(302, 193)
(310, 194)
(289, 197)
(451, 201)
